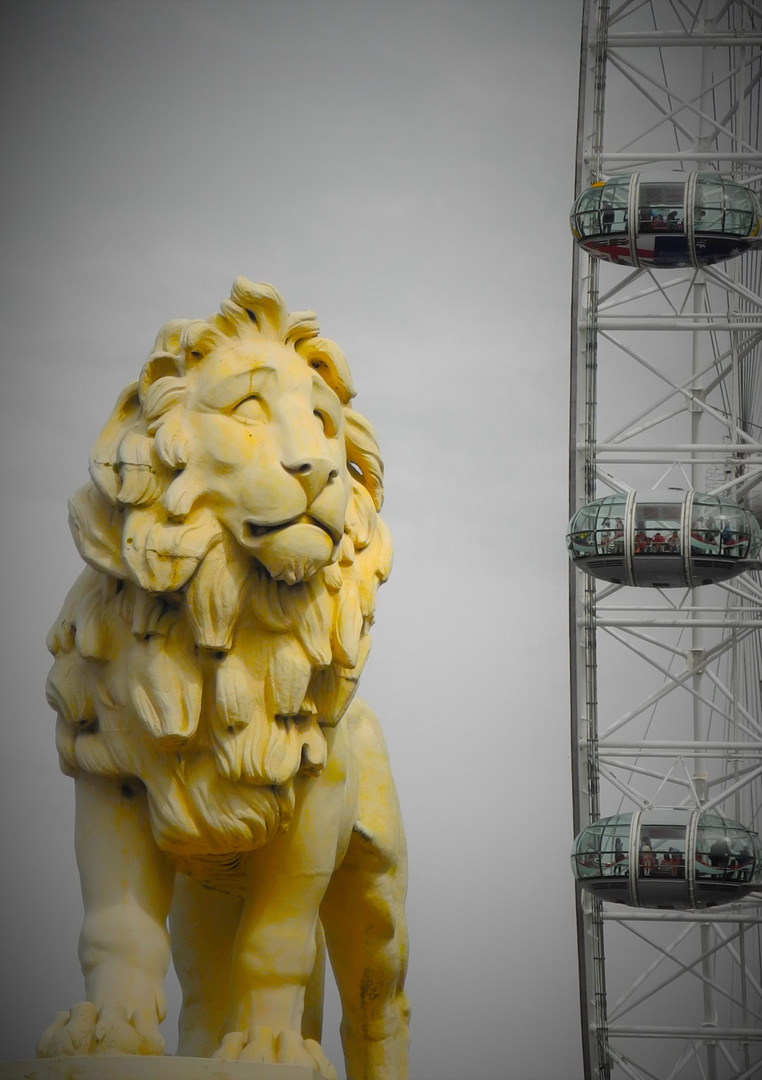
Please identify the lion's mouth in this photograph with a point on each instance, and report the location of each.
(258, 531)
(294, 550)
(264, 530)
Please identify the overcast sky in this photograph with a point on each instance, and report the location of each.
(405, 168)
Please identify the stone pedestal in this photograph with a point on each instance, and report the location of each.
(149, 1068)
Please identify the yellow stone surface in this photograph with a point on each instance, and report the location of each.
(206, 661)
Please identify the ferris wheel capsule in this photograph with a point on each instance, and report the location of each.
(668, 858)
(664, 539)
(694, 220)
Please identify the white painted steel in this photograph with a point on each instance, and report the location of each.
(667, 685)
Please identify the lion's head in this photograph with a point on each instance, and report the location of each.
(235, 549)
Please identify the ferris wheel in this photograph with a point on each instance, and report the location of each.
(665, 539)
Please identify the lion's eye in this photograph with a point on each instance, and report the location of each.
(329, 425)
(251, 408)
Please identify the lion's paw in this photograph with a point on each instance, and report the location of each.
(86, 1030)
(285, 1048)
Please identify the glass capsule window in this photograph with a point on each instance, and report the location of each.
(657, 528)
(598, 529)
(602, 209)
(725, 207)
(661, 207)
(661, 850)
(586, 217)
(602, 850)
(614, 202)
(725, 851)
(721, 527)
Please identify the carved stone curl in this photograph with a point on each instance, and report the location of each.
(205, 668)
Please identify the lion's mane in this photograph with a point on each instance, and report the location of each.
(180, 664)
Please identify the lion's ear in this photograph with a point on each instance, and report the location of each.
(331, 364)
(104, 459)
(362, 517)
(363, 453)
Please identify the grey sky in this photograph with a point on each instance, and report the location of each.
(405, 169)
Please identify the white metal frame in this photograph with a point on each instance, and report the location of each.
(666, 684)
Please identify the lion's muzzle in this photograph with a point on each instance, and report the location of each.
(293, 551)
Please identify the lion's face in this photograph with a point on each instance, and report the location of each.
(267, 438)
(235, 546)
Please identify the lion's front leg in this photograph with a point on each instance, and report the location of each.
(204, 924)
(124, 945)
(273, 960)
(275, 949)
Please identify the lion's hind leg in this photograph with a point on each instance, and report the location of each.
(364, 919)
(312, 1017)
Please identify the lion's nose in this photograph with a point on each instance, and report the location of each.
(313, 473)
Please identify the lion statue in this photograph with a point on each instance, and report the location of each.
(205, 667)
